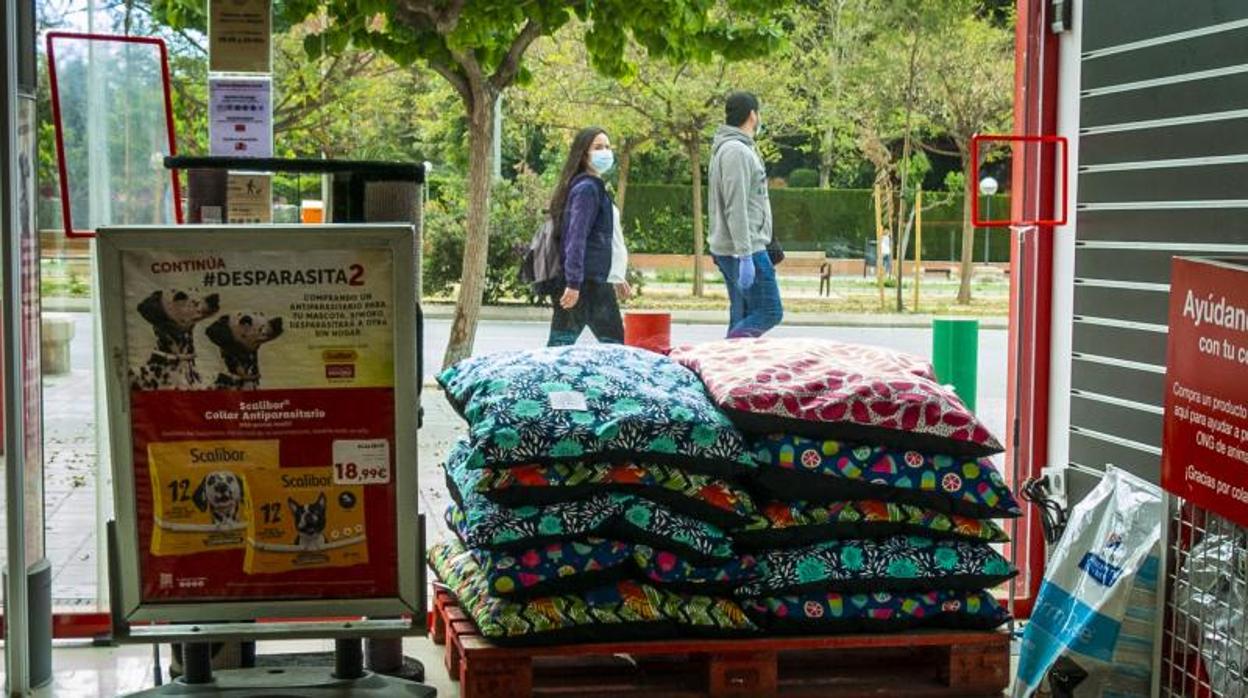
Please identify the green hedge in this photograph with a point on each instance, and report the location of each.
(658, 219)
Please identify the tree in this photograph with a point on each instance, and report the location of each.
(478, 47)
(827, 42)
(887, 98)
(969, 92)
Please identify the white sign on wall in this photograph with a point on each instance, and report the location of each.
(240, 117)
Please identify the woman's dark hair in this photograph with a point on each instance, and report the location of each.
(578, 160)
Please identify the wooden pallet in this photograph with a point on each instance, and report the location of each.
(921, 663)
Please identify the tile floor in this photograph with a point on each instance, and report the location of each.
(83, 671)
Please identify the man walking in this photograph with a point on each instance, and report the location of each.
(740, 212)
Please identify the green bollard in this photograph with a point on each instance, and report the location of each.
(955, 356)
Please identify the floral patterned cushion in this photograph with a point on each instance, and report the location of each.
(626, 610)
(899, 563)
(711, 499)
(483, 524)
(793, 524)
(831, 390)
(591, 403)
(795, 468)
(670, 572)
(879, 612)
(556, 568)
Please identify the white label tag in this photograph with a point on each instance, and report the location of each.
(568, 400)
(362, 462)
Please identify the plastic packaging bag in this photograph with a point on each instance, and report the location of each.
(1214, 594)
(1097, 608)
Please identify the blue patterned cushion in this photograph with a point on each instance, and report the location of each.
(899, 563)
(882, 611)
(591, 403)
(793, 468)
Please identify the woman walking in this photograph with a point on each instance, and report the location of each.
(586, 220)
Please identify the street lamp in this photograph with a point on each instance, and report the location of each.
(987, 187)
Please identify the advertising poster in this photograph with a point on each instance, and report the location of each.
(239, 33)
(262, 419)
(249, 198)
(240, 117)
(1205, 446)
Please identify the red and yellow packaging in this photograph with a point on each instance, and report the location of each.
(199, 492)
(300, 519)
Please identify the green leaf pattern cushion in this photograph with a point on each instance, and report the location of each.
(523, 409)
(793, 524)
(882, 611)
(899, 563)
(714, 500)
(625, 610)
(482, 524)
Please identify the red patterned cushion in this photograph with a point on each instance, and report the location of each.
(832, 390)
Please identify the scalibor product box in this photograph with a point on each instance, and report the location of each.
(199, 491)
(300, 519)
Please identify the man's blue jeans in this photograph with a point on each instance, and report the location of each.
(757, 309)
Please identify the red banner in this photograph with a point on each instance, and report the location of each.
(1205, 447)
(271, 463)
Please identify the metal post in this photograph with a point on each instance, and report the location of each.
(955, 356)
(197, 663)
(918, 244)
(987, 231)
(348, 659)
(16, 611)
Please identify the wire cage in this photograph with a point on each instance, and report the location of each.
(1204, 648)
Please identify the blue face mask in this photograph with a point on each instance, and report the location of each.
(602, 160)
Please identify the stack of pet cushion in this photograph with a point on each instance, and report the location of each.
(593, 498)
(876, 494)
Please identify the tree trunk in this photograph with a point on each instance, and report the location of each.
(827, 158)
(477, 242)
(902, 217)
(968, 236)
(695, 162)
(626, 164)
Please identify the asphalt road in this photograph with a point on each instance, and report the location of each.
(493, 336)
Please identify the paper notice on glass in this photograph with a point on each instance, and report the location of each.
(250, 198)
(239, 34)
(240, 117)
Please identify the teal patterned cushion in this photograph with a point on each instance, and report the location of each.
(899, 563)
(482, 524)
(590, 403)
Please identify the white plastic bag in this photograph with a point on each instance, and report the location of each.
(1097, 608)
(1213, 596)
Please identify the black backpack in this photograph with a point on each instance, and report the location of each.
(542, 265)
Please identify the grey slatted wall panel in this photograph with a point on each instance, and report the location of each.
(1163, 171)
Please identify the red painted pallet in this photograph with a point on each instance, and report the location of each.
(922, 663)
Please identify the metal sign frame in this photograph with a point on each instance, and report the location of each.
(54, 84)
(128, 604)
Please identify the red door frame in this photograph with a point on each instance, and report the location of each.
(1027, 417)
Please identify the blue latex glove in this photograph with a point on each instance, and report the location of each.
(745, 272)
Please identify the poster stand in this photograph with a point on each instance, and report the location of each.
(367, 568)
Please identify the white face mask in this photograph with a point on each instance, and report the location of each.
(602, 160)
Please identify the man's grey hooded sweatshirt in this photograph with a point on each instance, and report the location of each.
(739, 206)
